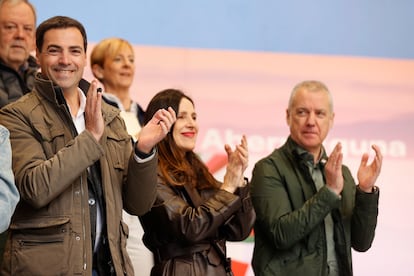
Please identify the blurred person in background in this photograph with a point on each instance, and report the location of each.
(113, 64)
(17, 41)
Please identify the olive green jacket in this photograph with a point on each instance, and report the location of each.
(289, 229)
(50, 231)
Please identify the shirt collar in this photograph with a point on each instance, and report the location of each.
(308, 157)
(113, 98)
(82, 100)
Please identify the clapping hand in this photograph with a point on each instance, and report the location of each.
(333, 170)
(156, 129)
(93, 114)
(368, 174)
(238, 160)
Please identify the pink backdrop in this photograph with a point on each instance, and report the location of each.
(247, 92)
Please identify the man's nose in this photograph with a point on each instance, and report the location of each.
(19, 33)
(64, 58)
(311, 118)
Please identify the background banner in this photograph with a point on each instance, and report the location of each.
(239, 61)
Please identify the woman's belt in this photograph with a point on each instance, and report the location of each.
(173, 250)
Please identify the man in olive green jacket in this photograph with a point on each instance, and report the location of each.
(309, 212)
(75, 166)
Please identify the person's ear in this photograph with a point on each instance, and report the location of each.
(97, 71)
(287, 117)
(331, 120)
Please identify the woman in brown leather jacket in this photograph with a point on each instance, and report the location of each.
(194, 214)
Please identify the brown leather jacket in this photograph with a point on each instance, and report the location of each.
(50, 230)
(181, 231)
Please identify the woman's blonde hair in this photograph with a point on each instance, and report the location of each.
(107, 48)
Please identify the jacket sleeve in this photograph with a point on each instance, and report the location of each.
(364, 220)
(9, 195)
(240, 225)
(141, 186)
(172, 216)
(283, 216)
(41, 173)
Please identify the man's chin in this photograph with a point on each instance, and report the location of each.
(310, 143)
(17, 60)
(18, 55)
